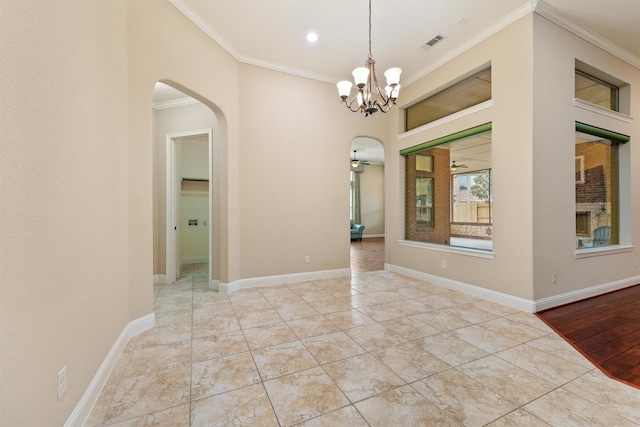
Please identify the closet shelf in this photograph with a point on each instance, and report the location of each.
(195, 179)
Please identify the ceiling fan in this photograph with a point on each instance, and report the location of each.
(454, 166)
(356, 165)
(355, 162)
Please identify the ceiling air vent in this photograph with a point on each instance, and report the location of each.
(437, 39)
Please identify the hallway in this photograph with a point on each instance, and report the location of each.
(367, 255)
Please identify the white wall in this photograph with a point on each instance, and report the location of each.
(372, 200)
(193, 242)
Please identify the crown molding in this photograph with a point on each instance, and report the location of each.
(552, 14)
(194, 17)
(175, 103)
(535, 6)
(204, 26)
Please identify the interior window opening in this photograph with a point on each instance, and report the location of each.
(449, 202)
(597, 191)
(463, 94)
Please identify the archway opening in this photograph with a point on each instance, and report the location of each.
(367, 205)
(188, 137)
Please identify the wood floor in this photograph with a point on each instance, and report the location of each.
(367, 255)
(606, 329)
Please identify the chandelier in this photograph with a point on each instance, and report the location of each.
(370, 97)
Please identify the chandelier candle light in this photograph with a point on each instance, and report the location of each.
(365, 100)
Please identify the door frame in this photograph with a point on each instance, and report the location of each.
(171, 201)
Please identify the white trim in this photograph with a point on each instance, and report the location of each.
(446, 119)
(603, 250)
(84, 407)
(580, 294)
(171, 200)
(586, 105)
(214, 285)
(531, 306)
(476, 291)
(194, 17)
(159, 279)
(478, 253)
(254, 282)
(174, 103)
(537, 6)
(369, 236)
(543, 9)
(195, 260)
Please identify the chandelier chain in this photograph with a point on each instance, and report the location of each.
(370, 57)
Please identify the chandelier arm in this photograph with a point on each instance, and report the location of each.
(349, 103)
(374, 81)
(387, 104)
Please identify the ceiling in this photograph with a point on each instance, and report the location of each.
(272, 33)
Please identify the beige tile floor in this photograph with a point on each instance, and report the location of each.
(375, 349)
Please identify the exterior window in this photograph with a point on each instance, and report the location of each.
(424, 202)
(464, 94)
(451, 203)
(596, 91)
(597, 191)
(472, 202)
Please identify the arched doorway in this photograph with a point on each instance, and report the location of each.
(187, 139)
(367, 204)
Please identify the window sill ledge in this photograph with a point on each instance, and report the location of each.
(602, 251)
(478, 253)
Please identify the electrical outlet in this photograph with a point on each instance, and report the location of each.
(307, 259)
(443, 264)
(62, 382)
(554, 278)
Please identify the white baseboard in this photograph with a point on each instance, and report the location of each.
(580, 294)
(83, 409)
(369, 236)
(159, 279)
(531, 306)
(214, 285)
(195, 260)
(476, 291)
(284, 278)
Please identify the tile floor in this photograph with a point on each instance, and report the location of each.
(375, 349)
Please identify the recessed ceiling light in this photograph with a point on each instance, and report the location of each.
(312, 37)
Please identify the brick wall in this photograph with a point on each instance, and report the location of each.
(441, 230)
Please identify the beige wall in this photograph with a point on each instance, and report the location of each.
(64, 245)
(555, 51)
(293, 177)
(372, 200)
(510, 272)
